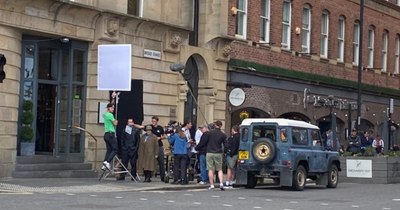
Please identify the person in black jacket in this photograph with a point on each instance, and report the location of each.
(130, 146)
(232, 154)
(201, 148)
(215, 154)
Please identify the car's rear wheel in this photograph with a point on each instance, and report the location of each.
(333, 177)
(299, 178)
(251, 181)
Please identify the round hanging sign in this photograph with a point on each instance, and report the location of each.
(237, 97)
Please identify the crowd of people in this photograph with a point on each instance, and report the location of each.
(357, 144)
(210, 146)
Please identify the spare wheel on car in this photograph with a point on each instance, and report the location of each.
(264, 150)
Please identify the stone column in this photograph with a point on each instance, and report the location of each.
(182, 94)
(207, 100)
(10, 46)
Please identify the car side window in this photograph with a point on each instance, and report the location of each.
(264, 132)
(244, 134)
(300, 136)
(316, 138)
(283, 135)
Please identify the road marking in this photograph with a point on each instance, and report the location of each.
(287, 209)
(196, 203)
(227, 205)
(143, 199)
(355, 206)
(241, 198)
(269, 200)
(386, 208)
(188, 194)
(293, 202)
(171, 201)
(324, 204)
(118, 197)
(93, 195)
(395, 199)
(69, 194)
(215, 196)
(256, 207)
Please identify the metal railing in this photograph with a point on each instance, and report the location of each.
(95, 149)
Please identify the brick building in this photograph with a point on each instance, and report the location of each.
(288, 56)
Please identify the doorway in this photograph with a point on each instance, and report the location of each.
(191, 75)
(53, 75)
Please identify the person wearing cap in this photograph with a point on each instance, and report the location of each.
(215, 154)
(148, 153)
(109, 136)
(354, 142)
(201, 147)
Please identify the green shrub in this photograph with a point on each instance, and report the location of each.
(347, 154)
(26, 134)
(27, 118)
(370, 152)
(27, 106)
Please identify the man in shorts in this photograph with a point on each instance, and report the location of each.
(232, 155)
(215, 154)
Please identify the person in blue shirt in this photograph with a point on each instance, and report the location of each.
(179, 141)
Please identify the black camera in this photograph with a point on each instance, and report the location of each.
(169, 129)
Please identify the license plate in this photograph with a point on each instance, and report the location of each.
(244, 155)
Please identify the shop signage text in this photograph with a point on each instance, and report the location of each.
(324, 101)
(237, 97)
(152, 54)
(359, 168)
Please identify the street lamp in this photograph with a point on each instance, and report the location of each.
(360, 64)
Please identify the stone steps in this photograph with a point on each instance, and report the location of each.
(41, 166)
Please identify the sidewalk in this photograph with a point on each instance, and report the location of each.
(89, 185)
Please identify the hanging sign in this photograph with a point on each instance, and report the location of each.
(237, 97)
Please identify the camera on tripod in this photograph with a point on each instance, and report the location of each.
(169, 129)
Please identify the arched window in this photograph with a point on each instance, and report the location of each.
(324, 34)
(341, 28)
(397, 55)
(384, 50)
(356, 42)
(265, 20)
(371, 41)
(306, 29)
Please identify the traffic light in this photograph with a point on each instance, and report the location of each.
(2, 72)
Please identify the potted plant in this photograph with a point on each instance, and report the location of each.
(26, 132)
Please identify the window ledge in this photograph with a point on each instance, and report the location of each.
(240, 37)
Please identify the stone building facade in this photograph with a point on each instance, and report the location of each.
(286, 48)
(51, 50)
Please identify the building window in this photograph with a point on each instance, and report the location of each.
(341, 29)
(356, 42)
(397, 55)
(384, 50)
(265, 20)
(324, 34)
(135, 7)
(371, 35)
(398, 2)
(306, 28)
(241, 21)
(286, 25)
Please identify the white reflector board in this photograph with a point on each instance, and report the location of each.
(114, 67)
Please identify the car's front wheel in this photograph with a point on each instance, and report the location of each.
(333, 177)
(299, 178)
(251, 181)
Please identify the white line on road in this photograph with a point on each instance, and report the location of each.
(269, 200)
(293, 202)
(241, 198)
(69, 194)
(395, 199)
(215, 196)
(171, 201)
(256, 207)
(118, 197)
(355, 206)
(143, 199)
(188, 194)
(196, 203)
(386, 208)
(324, 204)
(93, 195)
(227, 205)
(287, 209)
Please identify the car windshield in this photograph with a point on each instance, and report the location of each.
(264, 131)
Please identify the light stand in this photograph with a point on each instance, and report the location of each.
(179, 67)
